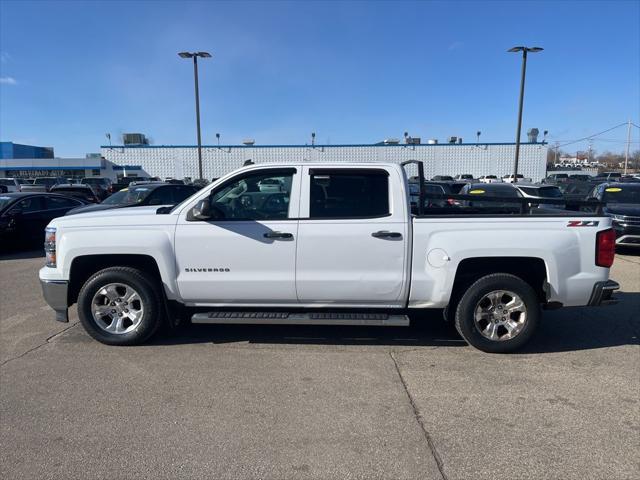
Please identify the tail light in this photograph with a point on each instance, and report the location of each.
(605, 248)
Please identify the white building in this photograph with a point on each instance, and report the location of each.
(179, 161)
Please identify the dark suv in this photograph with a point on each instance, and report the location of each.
(102, 186)
(141, 195)
(623, 204)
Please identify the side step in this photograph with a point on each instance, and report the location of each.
(309, 318)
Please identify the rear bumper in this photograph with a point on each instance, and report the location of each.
(602, 293)
(55, 294)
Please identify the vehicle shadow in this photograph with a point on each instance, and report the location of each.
(570, 329)
(586, 328)
(21, 255)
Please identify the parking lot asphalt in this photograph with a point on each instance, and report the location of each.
(319, 402)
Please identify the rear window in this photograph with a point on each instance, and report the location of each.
(622, 194)
(487, 191)
(7, 182)
(544, 192)
(343, 193)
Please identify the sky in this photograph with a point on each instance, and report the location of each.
(353, 72)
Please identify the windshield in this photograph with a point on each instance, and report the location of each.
(129, 196)
(626, 194)
(7, 182)
(577, 188)
(4, 201)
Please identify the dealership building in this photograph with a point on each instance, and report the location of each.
(179, 161)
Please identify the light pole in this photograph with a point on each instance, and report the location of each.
(524, 51)
(195, 56)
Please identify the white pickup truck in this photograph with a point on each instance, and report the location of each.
(333, 244)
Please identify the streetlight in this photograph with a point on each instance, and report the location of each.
(195, 56)
(524, 51)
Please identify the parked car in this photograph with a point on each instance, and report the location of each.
(124, 182)
(574, 193)
(489, 179)
(79, 190)
(519, 178)
(271, 185)
(623, 204)
(12, 184)
(142, 195)
(606, 177)
(442, 178)
(502, 190)
(341, 247)
(103, 186)
(24, 216)
(464, 177)
(541, 192)
(41, 184)
(431, 188)
(579, 177)
(556, 178)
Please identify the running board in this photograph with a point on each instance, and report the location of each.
(310, 318)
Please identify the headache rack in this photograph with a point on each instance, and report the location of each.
(525, 206)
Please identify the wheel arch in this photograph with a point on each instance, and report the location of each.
(83, 267)
(532, 270)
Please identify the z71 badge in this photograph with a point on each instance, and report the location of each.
(583, 223)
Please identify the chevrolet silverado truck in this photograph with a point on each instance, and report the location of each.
(334, 244)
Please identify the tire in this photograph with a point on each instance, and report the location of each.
(130, 304)
(489, 317)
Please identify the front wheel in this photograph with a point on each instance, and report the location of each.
(498, 313)
(120, 306)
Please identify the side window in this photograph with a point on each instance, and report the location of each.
(31, 204)
(343, 193)
(55, 203)
(255, 196)
(161, 196)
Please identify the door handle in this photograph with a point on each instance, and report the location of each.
(386, 234)
(278, 235)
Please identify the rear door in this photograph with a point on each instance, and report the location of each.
(352, 237)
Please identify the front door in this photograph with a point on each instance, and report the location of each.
(352, 238)
(246, 255)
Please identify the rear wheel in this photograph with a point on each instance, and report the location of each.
(120, 306)
(498, 313)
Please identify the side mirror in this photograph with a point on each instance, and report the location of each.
(204, 211)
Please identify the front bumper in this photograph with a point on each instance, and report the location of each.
(55, 294)
(602, 293)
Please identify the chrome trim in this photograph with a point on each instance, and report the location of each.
(55, 294)
(624, 240)
(602, 293)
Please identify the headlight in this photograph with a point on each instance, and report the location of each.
(618, 218)
(50, 246)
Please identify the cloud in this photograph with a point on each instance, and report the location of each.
(455, 46)
(8, 81)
